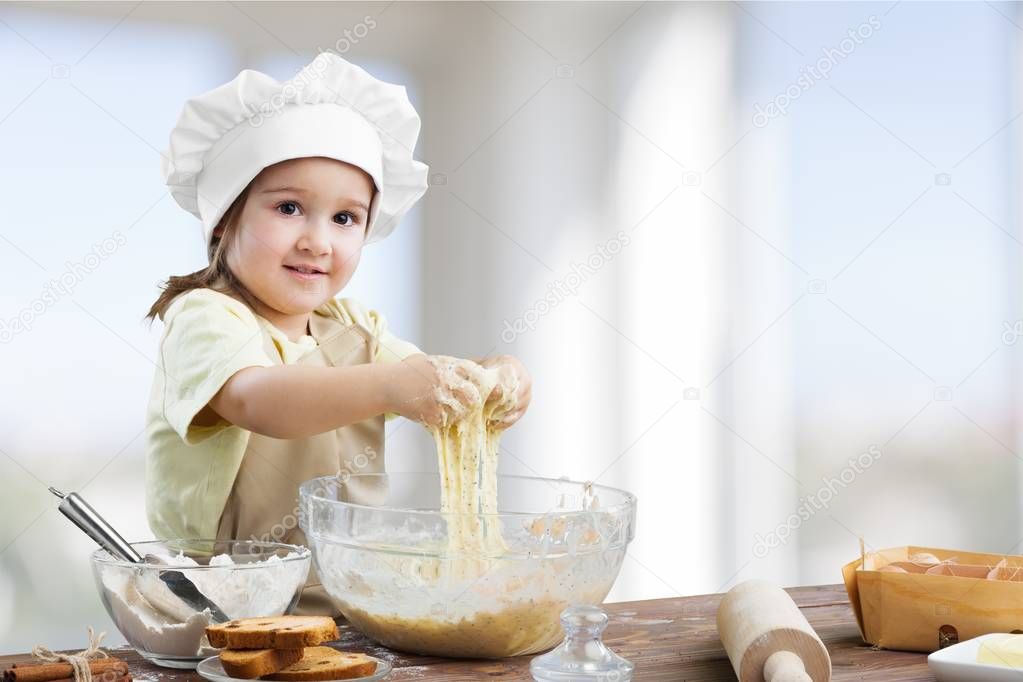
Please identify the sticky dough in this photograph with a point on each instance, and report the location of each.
(467, 449)
(470, 594)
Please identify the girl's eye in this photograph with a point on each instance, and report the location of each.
(288, 207)
(345, 219)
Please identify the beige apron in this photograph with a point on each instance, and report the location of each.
(263, 504)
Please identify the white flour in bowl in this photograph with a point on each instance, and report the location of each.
(154, 619)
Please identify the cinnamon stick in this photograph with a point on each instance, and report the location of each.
(104, 677)
(47, 672)
(107, 676)
(102, 663)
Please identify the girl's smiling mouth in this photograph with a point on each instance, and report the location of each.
(305, 272)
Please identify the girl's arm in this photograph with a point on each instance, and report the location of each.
(296, 401)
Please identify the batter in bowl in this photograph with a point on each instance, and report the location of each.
(479, 590)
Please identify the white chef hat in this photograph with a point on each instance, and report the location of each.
(331, 108)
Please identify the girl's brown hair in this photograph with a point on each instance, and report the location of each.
(216, 275)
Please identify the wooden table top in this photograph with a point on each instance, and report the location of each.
(667, 639)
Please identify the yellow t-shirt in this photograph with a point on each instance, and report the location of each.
(207, 338)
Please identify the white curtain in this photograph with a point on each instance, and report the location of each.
(624, 152)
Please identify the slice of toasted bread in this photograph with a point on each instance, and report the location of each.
(280, 632)
(249, 664)
(323, 663)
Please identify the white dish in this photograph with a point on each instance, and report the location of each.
(213, 670)
(958, 663)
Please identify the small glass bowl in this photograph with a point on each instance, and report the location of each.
(245, 578)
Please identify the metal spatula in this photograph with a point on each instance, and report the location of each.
(89, 520)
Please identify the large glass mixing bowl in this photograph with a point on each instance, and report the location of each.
(397, 576)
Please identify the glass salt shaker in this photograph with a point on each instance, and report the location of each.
(582, 657)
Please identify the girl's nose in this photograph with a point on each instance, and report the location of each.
(315, 238)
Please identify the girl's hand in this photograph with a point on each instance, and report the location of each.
(434, 390)
(519, 401)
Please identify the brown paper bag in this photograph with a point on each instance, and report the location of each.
(923, 606)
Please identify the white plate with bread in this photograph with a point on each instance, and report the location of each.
(285, 649)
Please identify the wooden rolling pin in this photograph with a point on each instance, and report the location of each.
(766, 637)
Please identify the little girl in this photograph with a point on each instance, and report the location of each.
(266, 379)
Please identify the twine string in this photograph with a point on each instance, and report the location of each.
(80, 661)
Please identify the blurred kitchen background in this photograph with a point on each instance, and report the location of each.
(762, 260)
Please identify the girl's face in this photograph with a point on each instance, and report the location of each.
(300, 233)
